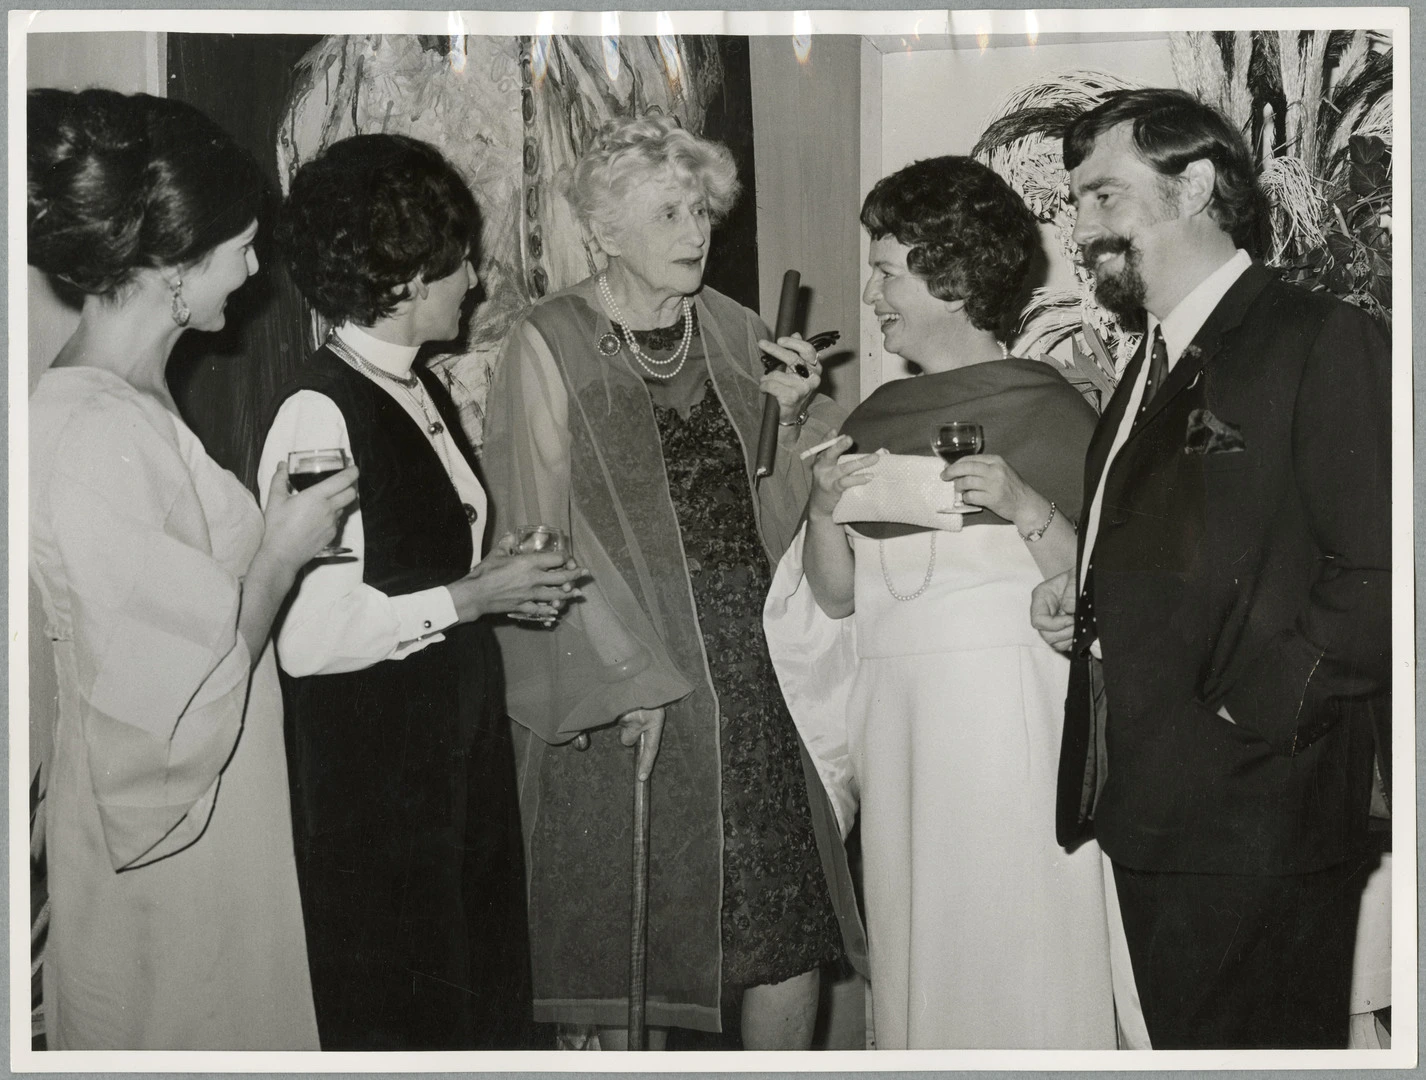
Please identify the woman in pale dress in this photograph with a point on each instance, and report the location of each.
(908, 655)
(175, 920)
(403, 778)
(626, 410)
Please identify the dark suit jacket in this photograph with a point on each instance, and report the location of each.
(1242, 560)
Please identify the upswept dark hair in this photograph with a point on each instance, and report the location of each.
(367, 216)
(971, 236)
(117, 183)
(1170, 129)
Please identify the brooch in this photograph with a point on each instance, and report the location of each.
(609, 343)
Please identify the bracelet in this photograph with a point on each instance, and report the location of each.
(801, 419)
(1031, 537)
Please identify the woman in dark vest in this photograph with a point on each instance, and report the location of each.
(404, 804)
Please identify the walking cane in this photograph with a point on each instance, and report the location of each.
(639, 925)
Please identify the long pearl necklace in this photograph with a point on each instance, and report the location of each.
(886, 574)
(648, 363)
(410, 383)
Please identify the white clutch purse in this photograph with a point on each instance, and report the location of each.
(907, 489)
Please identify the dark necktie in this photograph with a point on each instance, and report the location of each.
(1158, 369)
(1085, 630)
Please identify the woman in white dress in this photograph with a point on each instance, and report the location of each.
(908, 656)
(175, 919)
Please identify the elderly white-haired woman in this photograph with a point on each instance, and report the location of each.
(625, 410)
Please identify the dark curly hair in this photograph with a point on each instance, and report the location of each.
(1170, 129)
(971, 236)
(117, 183)
(367, 216)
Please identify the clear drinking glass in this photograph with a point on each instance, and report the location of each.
(308, 467)
(954, 441)
(530, 539)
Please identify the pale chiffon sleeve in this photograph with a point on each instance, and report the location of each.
(604, 656)
(815, 657)
(529, 427)
(162, 670)
(783, 496)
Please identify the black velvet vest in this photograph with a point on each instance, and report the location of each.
(404, 806)
(417, 530)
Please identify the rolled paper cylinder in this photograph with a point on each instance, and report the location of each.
(786, 317)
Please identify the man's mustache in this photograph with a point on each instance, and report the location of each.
(1092, 252)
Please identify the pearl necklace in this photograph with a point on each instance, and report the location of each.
(410, 383)
(886, 574)
(648, 363)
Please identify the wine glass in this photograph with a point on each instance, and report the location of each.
(308, 467)
(530, 539)
(954, 441)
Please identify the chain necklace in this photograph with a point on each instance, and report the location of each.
(886, 574)
(649, 363)
(410, 383)
(365, 366)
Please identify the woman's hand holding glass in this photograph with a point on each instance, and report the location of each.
(831, 476)
(299, 524)
(988, 481)
(528, 540)
(793, 384)
(533, 584)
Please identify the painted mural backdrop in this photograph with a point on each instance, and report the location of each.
(513, 115)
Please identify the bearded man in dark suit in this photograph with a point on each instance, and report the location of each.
(1230, 619)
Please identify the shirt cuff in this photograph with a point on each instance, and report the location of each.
(421, 616)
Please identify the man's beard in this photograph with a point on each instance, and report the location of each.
(1122, 292)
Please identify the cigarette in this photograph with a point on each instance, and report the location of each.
(812, 451)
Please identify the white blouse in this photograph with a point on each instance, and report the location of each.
(337, 622)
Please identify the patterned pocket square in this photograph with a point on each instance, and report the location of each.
(1209, 435)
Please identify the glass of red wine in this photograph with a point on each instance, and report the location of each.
(954, 441)
(308, 467)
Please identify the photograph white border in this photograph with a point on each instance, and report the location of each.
(913, 25)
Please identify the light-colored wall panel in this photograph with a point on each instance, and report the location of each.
(808, 162)
(129, 62)
(870, 353)
(939, 101)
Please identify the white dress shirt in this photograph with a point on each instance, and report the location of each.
(337, 622)
(1179, 327)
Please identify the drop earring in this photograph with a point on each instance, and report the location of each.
(179, 310)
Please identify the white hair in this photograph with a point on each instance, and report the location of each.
(627, 153)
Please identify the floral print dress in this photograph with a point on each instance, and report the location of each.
(777, 919)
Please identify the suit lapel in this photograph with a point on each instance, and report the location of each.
(1205, 345)
(1210, 337)
(1110, 420)
(1099, 444)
